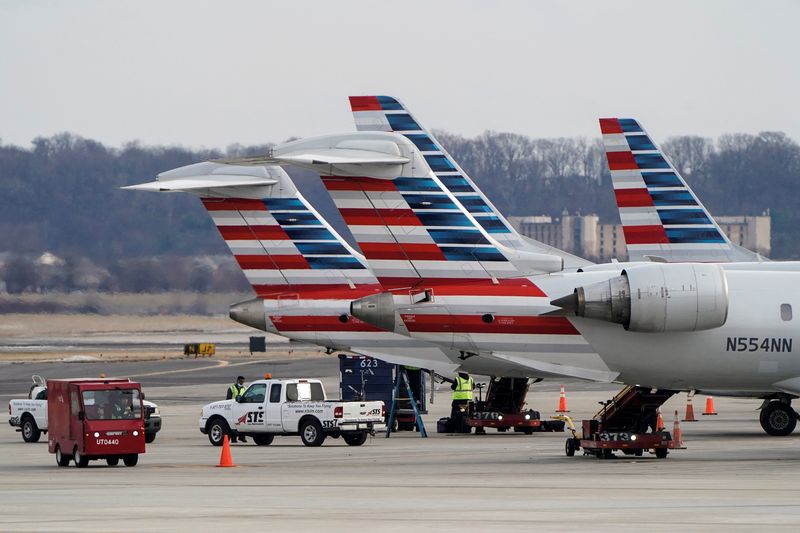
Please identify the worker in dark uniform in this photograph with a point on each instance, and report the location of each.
(234, 392)
(462, 387)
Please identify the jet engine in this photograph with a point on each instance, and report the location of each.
(376, 310)
(656, 298)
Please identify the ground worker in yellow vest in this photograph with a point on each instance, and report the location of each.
(234, 391)
(462, 387)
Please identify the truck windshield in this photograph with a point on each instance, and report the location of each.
(305, 391)
(115, 404)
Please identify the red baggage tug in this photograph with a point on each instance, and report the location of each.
(95, 419)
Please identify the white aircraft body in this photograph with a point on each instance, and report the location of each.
(444, 282)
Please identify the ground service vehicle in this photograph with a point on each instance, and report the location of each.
(504, 409)
(627, 423)
(29, 415)
(95, 419)
(272, 407)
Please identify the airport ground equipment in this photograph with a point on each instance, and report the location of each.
(504, 409)
(626, 423)
(258, 344)
(91, 419)
(29, 415)
(271, 407)
(367, 378)
(401, 382)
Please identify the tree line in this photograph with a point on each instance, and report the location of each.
(61, 195)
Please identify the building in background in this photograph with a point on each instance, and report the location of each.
(751, 232)
(585, 236)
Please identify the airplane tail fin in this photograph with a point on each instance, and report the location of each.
(280, 242)
(661, 216)
(403, 218)
(386, 113)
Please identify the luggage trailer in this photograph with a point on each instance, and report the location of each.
(626, 423)
(504, 409)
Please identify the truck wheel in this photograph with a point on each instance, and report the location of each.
(778, 419)
(149, 437)
(661, 453)
(569, 447)
(61, 459)
(217, 429)
(131, 459)
(112, 461)
(81, 461)
(311, 433)
(30, 431)
(263, 440)
(355, 439)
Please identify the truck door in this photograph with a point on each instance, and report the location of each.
(75, 423)
(273, 416)
(249, 411)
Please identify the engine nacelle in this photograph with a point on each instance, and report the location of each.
(655, 298)
(376, 310)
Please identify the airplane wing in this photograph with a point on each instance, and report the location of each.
(439, 367)
(552, 370)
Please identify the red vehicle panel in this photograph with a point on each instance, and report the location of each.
(96, 419)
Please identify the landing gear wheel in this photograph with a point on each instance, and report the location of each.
(217, 429)
(263, 440)
(131, 459)
(81, 461)
(569, 447)
(30, 431)
(778, 419)
(61, 459)
(149, 437)
(661, 453)
(355, 439)
(112, 461)
(311, 433)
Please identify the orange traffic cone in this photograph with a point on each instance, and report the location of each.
(225, 459)
(710, 406)
(659, 421)
(689, 409)
(562, 402)
(677, 435)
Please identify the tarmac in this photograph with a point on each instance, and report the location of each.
(732, 475)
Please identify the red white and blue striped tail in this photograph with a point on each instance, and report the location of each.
(410, 230)
(386, 113)
(280, 241)
(661, 216)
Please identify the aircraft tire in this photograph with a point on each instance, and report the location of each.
(778, 419)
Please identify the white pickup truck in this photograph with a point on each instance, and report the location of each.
(29, 415)
(272, 407)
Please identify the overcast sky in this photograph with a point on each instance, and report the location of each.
(214, 73)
